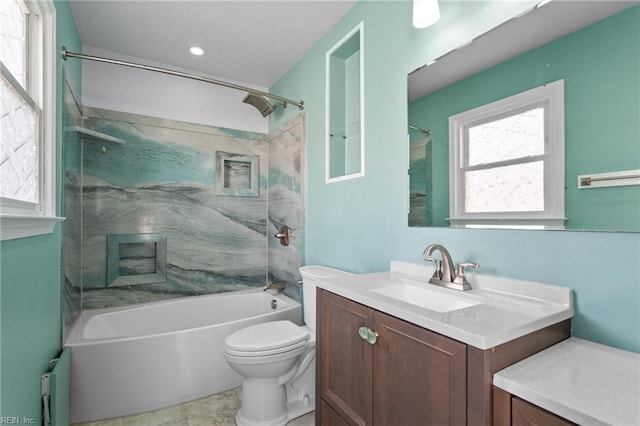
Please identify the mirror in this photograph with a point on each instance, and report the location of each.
(594, 47)
(344, 150)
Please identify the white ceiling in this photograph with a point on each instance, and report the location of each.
(539, 26)
(253, 42)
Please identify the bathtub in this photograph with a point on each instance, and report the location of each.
(138, 358)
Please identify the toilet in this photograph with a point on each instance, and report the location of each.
(276, 360)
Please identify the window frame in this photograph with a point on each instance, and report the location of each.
(19, 219)
(550, 97)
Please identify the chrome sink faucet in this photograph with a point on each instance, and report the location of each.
(444, 274)
(444, 267)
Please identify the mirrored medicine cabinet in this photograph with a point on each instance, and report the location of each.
(345, 109)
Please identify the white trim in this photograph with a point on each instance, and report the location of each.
(15, 84)
(49, 110)
(551, 97)
(358, 28)
(345, 177)
(18, 219)
(21, 226)
(508, 223)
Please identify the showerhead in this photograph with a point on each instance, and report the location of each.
(260, 103)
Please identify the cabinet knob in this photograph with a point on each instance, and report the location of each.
(367, 334)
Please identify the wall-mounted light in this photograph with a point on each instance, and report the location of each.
(425, 13)
(197, 51)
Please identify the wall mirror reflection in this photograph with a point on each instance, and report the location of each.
(345, 109)
(593, 47)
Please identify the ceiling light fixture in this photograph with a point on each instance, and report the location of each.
(197, 51)
(425, 13)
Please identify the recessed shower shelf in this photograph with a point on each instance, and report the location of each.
(345, 132)
(101, 137)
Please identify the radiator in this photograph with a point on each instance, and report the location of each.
(55, 391)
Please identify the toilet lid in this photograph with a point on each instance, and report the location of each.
(267, 336)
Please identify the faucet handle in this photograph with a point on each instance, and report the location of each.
(460, 278)
(438, 272)
(472, 265)
(278, 285)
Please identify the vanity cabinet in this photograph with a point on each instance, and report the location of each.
(409, 376)
(509, 410)
(405, 375)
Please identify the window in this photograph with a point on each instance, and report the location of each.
(27, 138)
(507, 161)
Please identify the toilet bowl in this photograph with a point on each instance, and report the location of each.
(271, 357)
(277, 362)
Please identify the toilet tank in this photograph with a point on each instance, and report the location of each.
(311, 274)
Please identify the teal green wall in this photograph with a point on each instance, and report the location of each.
(30, 320)
(30, 293)
(352, 115)
(361, 224)
(602, 106)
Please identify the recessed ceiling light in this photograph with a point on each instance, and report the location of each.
(195, 50)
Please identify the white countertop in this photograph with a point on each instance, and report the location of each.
(507, 308)
(584, 382)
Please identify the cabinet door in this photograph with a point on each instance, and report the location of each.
(344, 360)
(526, 414)
(329, 416)
(419, 377)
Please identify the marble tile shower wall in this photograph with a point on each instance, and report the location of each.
(71, 210)
(286, 203)
(162, 181)
(420, 182)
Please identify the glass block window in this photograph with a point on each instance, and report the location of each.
(19, 159)
(516, 136)
(515, 188)
(503, 172)
(22, 39)
(27, 118)
(507, 161)
(13, 39)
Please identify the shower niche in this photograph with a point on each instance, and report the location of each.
(345, 108)
(136, 259)
(237, 174)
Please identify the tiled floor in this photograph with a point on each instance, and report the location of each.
(215, 410)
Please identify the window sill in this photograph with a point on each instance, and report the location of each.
(21, 226)
(549, 223)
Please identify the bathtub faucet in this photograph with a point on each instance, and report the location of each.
(278, 285)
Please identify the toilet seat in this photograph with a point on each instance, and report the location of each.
(265, 339)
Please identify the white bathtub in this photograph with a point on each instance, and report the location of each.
(138, 358)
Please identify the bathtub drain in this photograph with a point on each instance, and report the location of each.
(274, 304)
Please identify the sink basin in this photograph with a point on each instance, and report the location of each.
(425, 297)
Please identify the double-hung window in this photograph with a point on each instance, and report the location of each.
(507, 161)
(27, 115)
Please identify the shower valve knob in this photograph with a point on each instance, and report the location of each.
(283, 235)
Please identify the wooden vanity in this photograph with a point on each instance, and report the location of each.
(510, 410)
(410, 375)
(574, 382)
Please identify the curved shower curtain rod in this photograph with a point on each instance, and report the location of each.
(426, 132)
(66, 54)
